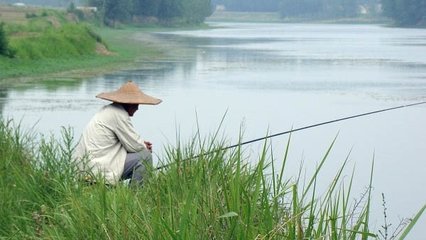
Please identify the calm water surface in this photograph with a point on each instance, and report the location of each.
(274, 77)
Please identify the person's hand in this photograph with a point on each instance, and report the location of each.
(148, 145)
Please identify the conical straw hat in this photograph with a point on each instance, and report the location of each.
(129, 93)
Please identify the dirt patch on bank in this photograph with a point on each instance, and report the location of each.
(102, 50)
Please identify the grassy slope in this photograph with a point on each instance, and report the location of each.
(123, 50)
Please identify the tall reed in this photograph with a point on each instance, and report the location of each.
(216, 195)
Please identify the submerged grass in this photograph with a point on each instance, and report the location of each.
(214, 196)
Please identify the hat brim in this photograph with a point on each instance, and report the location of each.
(129, 98)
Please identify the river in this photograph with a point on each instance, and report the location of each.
(269, 78)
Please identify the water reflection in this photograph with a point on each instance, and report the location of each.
(310, 58)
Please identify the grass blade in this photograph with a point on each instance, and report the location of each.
(412, 223)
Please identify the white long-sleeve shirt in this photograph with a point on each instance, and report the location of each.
(105, 142)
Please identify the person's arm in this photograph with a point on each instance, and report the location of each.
(127, 135)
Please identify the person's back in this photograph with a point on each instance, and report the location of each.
(109, 145)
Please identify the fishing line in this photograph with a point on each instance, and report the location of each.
(299, 129)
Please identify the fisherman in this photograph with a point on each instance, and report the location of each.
(110, 146)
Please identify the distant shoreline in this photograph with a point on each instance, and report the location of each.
(274, 17)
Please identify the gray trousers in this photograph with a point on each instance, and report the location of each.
(137, 166)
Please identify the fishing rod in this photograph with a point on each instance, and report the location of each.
(300, 129)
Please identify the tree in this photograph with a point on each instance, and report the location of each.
(301, 8)
(319, 8)
(4, 44)
(182, 11)
(195, 11)
(147, 8)
(406, 12)
(117, 11)
(3, 40)
(249, 5)
(169, 9)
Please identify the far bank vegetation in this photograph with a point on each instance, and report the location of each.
(41, 33)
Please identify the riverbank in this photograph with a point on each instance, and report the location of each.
(274, 17)
(123, 49)
(118, 48)
(215, 195)
(80, 49)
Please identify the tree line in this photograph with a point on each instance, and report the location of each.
(403, 12)
(249, 5)
(406, 12)
(301, 8)
(195, 11)
(162, 11)
(328, 8)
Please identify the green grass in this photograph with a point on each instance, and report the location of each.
(65, 42)
(51, 45)
(214, 196)
(124, 51)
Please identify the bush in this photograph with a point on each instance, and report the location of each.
(3, 40)
(77, 12)
(4, 44)
(30, 15)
